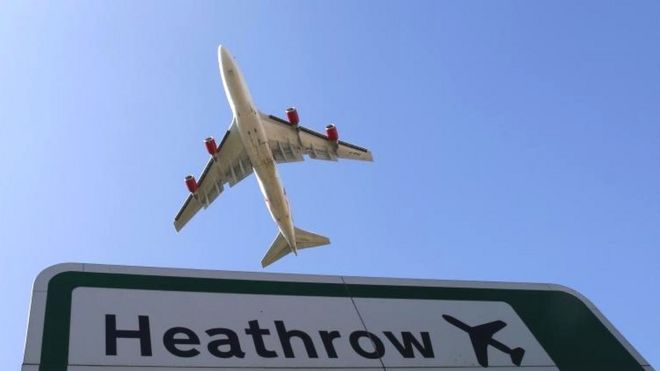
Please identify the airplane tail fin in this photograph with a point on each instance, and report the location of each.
(517, 356)
(280, 247)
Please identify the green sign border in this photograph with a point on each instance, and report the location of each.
(567, 329)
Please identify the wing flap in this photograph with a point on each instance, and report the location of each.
(286, 151)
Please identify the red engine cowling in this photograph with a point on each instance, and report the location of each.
(292, 115)
(211, 147)
(191, 183)
(331, 133)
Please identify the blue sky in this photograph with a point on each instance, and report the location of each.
(514, 141)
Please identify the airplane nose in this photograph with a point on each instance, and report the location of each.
(224, 57)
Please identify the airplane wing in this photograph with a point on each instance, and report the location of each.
(231, 164)
(289, 143)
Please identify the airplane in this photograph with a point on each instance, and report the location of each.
(482, 336)
(256, 142)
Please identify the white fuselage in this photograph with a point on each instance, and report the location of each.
(256, 145)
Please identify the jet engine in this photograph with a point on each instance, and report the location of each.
(191, 183)
(292, 115)
(331, 133)
(211, 147)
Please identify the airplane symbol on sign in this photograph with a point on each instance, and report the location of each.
(482, 336)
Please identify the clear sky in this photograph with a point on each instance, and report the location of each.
(514, 141)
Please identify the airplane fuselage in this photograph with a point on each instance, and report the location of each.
(255, 141)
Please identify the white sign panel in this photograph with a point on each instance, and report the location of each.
(158, 328)
(134, 319)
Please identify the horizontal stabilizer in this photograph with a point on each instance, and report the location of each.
(280, 246)
(306, 239)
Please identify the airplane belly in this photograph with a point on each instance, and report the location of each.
(276, 201)
(273, 193)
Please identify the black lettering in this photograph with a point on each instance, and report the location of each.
(231, 339)
(285, 339)
(112, 334)
(328, 337)
(379, 349)
(170, 341)
(409, 341)
(257, 336)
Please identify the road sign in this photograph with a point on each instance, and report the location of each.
(115, 318)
